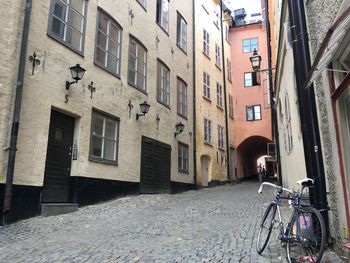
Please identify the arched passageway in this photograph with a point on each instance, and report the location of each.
(247, 154)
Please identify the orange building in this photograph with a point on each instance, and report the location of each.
(252, 112)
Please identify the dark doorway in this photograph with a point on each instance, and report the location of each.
(155, 167)
(58, 159)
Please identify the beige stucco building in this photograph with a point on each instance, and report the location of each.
(84, 140)
(213, 78)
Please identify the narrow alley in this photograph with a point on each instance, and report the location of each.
(217, 224)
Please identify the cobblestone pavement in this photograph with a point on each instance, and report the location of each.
(209, 225)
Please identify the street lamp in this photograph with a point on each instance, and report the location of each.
(144, 106)
(179, 128)
(77, 73)
(255, 60)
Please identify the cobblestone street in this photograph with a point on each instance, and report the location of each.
(217, 224)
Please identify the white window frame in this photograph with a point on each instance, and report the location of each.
(206, 42)
(104, 139)
(68, 25)
(217, 55)
(163, 14)
(206, 85)
(138, 60)
(181, 32)
(218, 94)
(229, 70)
(249, 46)
(230, 105)
(163, 83)
(221, 142)
(207, 131)
(118, 42)
(255, 111)
(183, 158)
(181, 97)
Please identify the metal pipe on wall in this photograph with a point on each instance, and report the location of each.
(16, 112)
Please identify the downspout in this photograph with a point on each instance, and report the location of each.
(16, 112)
(225, 94)
(308, 111)
(274, 124)
(194, 94)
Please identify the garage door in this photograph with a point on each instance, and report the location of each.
(155, 166)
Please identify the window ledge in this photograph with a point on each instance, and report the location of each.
(206, 98)
(184, 51)
(219, 107)
(207, 55)
(104, 161)
(208, 143)
(141, 90)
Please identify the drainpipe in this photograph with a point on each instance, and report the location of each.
(274, 126)
(194, 94)
(225, 94)
(307, 108)
(16, 112)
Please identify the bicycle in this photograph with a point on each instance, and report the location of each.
(305, 235)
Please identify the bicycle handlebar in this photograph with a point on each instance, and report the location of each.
(275, 186)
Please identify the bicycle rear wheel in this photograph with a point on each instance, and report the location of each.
(266, 226)
(306, 236)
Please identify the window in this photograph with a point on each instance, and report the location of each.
(163, 83)
(218, 95)
(181, 38)
(249, 45)
(137, 64)
(217, 55)
(221, 137)
(230, 106)
(229, 70)
(181, 98)
(227, 34)
(206, 42)
(206, 85)
(67, 22)
(207, 131)
(108, 43)
(163, 14)
(253, 112)
(183, 157)
(104, 137)
(251, 79)
(142, 2)
(288, 126)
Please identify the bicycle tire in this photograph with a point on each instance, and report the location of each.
(266, 226)
(306, 236)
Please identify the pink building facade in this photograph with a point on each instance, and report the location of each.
(251, 100)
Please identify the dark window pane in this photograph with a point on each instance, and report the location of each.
(96, 146)
(101, 40)
(60, 10)
(101, 56)
(110, 150)
(103, 22)
(58, 27)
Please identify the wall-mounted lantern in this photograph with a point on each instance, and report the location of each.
(144, 106)
(77, 73)
(179, 128)
(255, 60)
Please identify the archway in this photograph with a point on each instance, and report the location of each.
(247, 155)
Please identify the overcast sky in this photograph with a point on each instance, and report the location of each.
(250, 6)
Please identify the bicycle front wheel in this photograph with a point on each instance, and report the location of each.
(306, 236)
(266, 226)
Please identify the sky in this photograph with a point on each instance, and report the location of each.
(250, 6)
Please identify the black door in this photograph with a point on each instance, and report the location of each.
(155, 167)
(58, 159)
